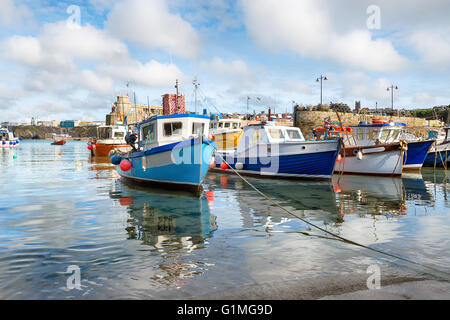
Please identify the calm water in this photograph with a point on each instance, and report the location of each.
(58, 210)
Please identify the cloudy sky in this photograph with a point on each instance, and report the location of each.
(69, 59)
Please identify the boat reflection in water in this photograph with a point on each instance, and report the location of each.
(370, 195)
(162, 218)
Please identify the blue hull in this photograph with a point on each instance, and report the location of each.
(318, 165)
(416, 154)
(177, 165)
(441, 158)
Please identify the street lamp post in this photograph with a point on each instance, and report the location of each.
(317, 80)
(391, 88)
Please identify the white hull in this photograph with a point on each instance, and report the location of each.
(381, 164)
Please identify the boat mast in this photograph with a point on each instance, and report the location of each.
(196, 84)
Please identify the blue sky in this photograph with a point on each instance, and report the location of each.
(53, 67)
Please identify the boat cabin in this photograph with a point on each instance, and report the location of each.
(225, 125)
(442, 135)
(271, 134)
(375, 133)
(6, 135)
(162, 130)
(111, 134)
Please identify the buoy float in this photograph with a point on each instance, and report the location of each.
(339, 158)
(14, 157)
(239, 165)
(336, 189)
(359, 155)
(3, 142)
(60, 153)
(94, 146)
(115, 160)
(223, 166)
(125, 165)
(89, 146)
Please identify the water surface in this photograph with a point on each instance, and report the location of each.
(59, 207)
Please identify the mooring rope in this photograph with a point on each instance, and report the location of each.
(324, 230)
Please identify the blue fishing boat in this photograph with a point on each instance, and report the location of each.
(267, 150)
(439, 153)
(385, 132)
(171, 151)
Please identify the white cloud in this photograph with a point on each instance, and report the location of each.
(235, 67)
(433, 47)
(423, 99)
(306, 27)
(151, 73)
(150, 24)
(12, 16)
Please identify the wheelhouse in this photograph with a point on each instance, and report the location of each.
(224, 125)
(6, 135)
(369, 134)
(161, 130)
(111, 134)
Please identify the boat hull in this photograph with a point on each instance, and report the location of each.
(416, 154)
(300, 160)
(103, 149)
(438, 155)
(174, 166)
(7, 144)
(59, 143)
(381, 160)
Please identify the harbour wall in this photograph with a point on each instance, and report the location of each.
(40, 132)
(307, 119)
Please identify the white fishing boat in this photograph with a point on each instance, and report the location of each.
(386, 132)
(278, 151)
(7, 139)
(373, 160)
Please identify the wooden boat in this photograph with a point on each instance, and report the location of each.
(266, 150)
(226, 133)
(7, 139)
(171, 151)
(385, 132)
(108, 139)
(375, 160)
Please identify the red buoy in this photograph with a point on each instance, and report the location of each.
(90, 146)
(223, 166)
(125, 165)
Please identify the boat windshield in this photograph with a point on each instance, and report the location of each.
(118, 135)
(198, 128)
(276, 133)
(104, 133)
(293, 134)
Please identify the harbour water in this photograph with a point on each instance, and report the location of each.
(61, 208)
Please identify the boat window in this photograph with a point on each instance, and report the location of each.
(198, 128)
(395, 134)
(360, 133)
(146, 130)
(372, 134)
(227, 124)
(220, 124)
(118, 135)
(211, 125)
(384, 134)
(104, 133)
(172, 128)
(276, 134)
(235, 125)
(293, 134)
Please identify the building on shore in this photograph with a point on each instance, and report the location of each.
(122, 108)
(48, 123)
(69, 123)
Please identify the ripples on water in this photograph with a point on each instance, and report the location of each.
(129, 242)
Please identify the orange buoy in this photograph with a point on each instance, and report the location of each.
(339, 158)
(125, 165)
(223, 166)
